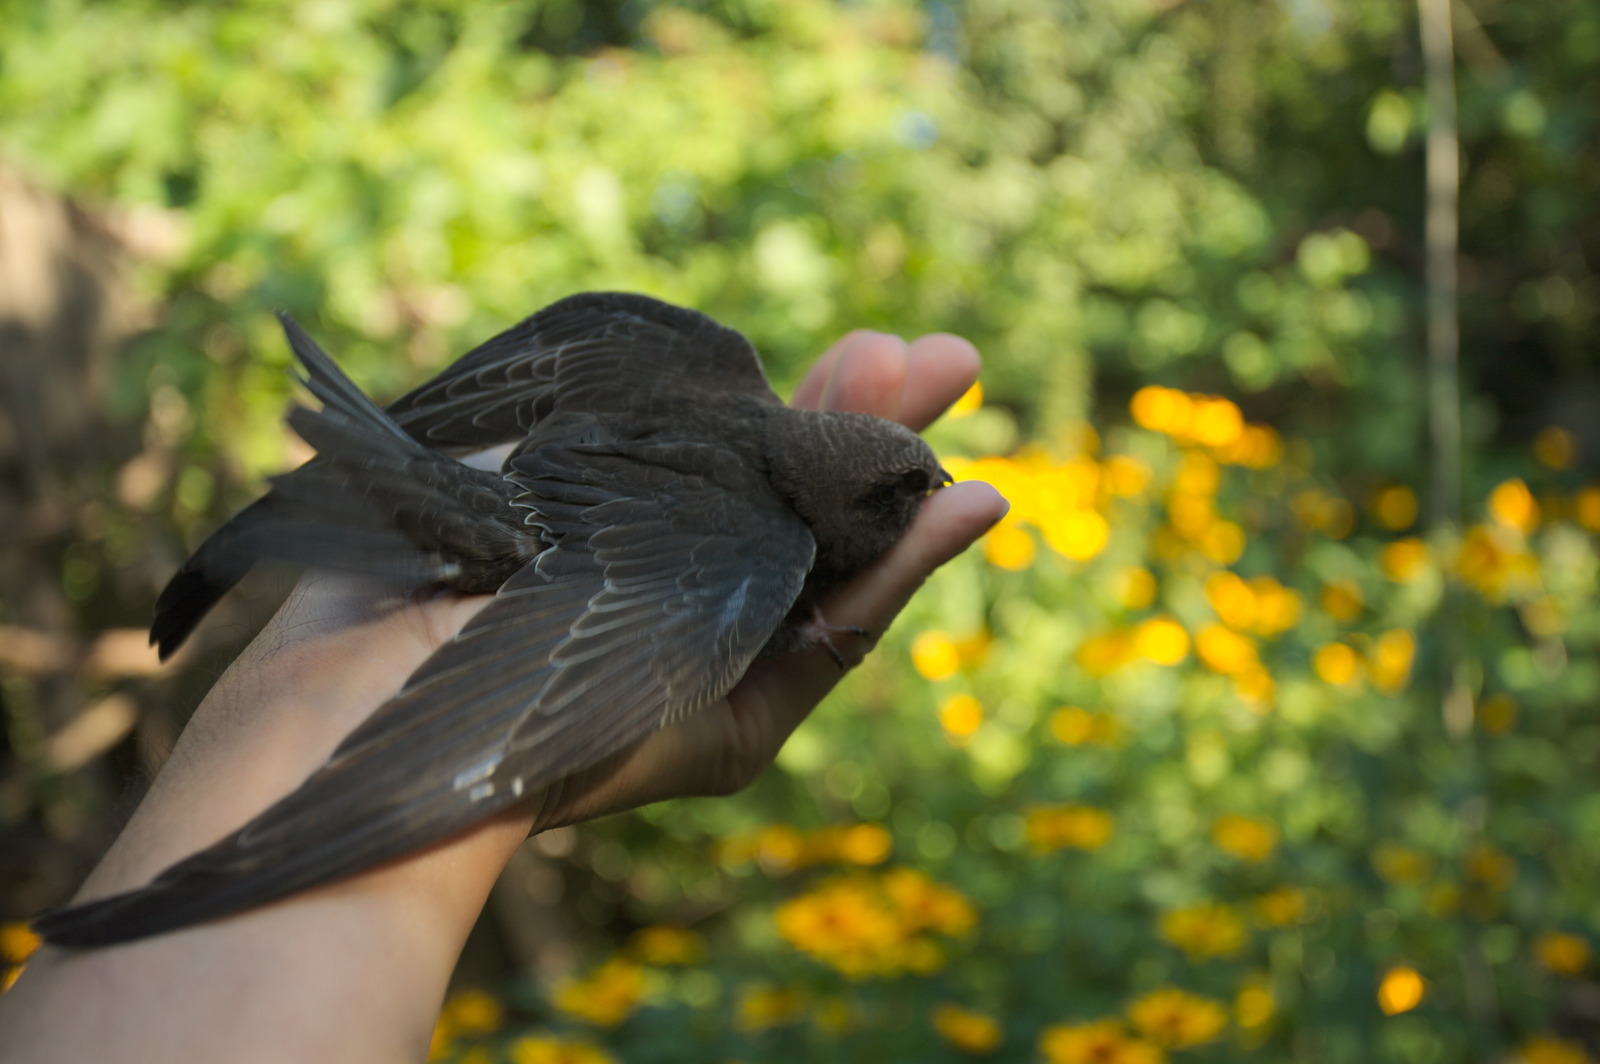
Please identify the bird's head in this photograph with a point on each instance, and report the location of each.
(857, 481)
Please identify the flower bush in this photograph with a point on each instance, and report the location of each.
(1221, 858)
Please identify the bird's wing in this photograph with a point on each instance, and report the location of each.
(659, 589)
(497, 392)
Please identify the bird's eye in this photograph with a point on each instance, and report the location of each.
(915, 481)
(881, 496)
(886, 494)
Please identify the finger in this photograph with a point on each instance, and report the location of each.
(864, 375)
(950, 521)
(940, 368)
(808, 396)
(868, 377)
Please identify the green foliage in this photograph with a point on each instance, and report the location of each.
(1222, 198)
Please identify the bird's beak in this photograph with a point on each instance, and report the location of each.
(944, 480)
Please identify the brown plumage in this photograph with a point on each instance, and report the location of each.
(662, 521)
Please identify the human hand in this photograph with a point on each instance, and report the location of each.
(355, 970)
(724, 747)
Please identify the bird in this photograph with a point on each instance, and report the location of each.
(661, 521)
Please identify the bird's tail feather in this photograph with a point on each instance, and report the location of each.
(374, 501)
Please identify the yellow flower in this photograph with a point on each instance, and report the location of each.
(1076, 726)
(1009, 546)
(1247, 838)
(473, 1012)
(974, 649)
(970, 401)
(1337, 664)
(1223, 542)
(1104, 654)
(1203, 931)
(779, 849)
(1233, 600)
(1080, 827)
(762, 1008)
(1277, 607)
(1104, 1042)
(1543, 1049)
(1442, 899)
(1281, 907)
(864, 844)
(606, 997)
(1321, 512)
(549, 1049)
(1078, 534)
(440, 1042)
(968, 1031)
(668, 944)
(1216, 422)
(1126, 476)
(866, 926)
(1159, 409)
(17, 942)
(1586, 508)
(1404, 560)
(1490, 867)
(1191, 514)
(1561, 952)
(1498, 713)
(1178, 1019)
(1513, 505)
(1542, 617)
(1198, 475)
(1255, 688)
(1395, 507)
(1161, 640)
(1224, 651)
(1555, 447)
(1135, 587)
(1400, 990)
(1257, 447)
(1254, 1005)
(924, 905)
(935, 655)
(1342, 600)
(1072, 725)
(960, 716)
(1338, 519)
(1495, 562)
(1391, 660)
(847, 925)
(1401, 864)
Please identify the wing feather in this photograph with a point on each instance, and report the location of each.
(649, 606)
(597, 350)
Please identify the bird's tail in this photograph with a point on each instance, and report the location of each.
(210, 573)
(374, 501)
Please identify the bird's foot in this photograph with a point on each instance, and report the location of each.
(817, 632)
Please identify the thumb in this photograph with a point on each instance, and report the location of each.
(950, 521)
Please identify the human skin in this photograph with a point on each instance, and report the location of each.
(355, 971)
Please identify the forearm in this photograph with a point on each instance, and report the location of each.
(352, 971)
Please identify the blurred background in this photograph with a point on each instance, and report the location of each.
(1247, 736)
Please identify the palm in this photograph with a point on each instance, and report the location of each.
(724, 747)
